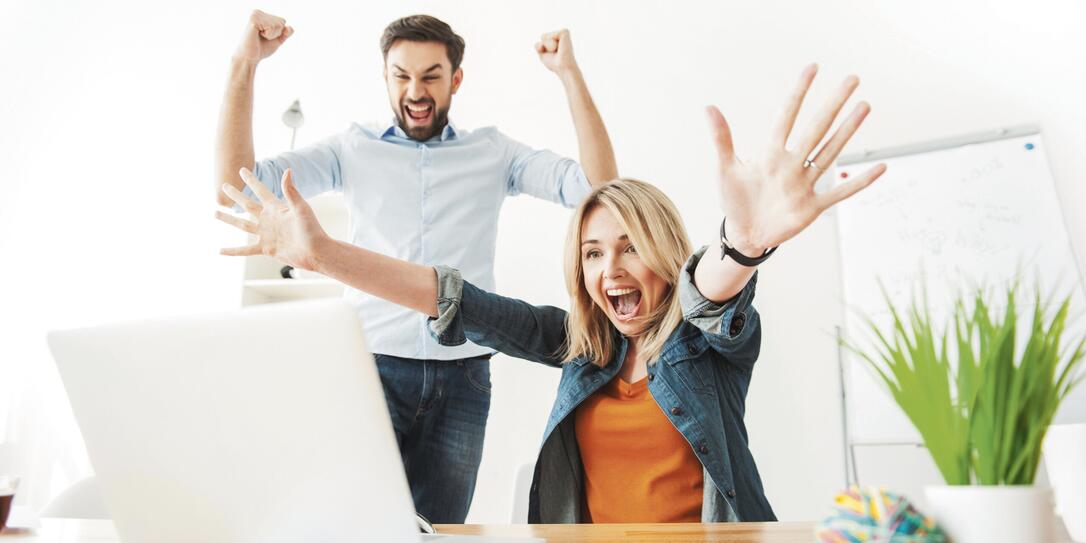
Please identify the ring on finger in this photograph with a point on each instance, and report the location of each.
(811, 164)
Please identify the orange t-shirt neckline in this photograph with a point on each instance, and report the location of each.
(637, 466)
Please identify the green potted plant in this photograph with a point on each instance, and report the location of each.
(981, 389)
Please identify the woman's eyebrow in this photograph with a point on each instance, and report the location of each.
(623, 237)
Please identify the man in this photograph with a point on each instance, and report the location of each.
(423, 190)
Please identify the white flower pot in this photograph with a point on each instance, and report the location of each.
(1065, 462)
(993, 514)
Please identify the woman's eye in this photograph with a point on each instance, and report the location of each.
(591, 254)
(631, 249)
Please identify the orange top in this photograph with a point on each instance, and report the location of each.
(637, 466)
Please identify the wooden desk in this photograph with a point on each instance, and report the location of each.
(101, 531)
(739, 532)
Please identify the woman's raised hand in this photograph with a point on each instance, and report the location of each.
(286, 230)
(769, 200)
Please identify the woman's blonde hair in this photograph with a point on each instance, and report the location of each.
(656, 230)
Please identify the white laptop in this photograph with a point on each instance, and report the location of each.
(266, 425)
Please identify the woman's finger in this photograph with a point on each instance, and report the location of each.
(829, 152)
(242, 200)
(722, 135)
(787, 118)
(290, 192)
(248, 250)
(240, 223)
(825, 117)
(844, 191)
(262, 193)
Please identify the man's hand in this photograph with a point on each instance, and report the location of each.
(771, 199)
(286, 230)
(555, 50)
(264, 33)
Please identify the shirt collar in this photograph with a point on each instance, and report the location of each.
(393, 129)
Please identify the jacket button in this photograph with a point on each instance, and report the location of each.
(651, 376)
(704, 449)
(691, 348)
(731, 493)
(676, 411)
(737, 324)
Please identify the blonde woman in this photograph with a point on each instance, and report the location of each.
(657, 349)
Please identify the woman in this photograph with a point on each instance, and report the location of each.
(656, 355)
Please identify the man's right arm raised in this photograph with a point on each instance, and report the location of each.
(264, 33)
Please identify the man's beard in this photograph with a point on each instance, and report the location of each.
(423, 133)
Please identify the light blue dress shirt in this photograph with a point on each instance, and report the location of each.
(433, 203)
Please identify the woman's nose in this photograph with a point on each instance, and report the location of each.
(613, 270)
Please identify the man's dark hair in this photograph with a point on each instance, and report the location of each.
(424, 28)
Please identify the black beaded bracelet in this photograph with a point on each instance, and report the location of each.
(727, 249)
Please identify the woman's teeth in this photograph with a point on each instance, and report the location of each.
(625, 301)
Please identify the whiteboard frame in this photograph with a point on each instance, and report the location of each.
(940, 144)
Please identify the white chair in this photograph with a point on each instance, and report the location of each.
(82, 500)
(522, 486)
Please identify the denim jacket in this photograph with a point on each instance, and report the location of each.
(700, 382)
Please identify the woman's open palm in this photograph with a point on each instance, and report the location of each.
(769, 200)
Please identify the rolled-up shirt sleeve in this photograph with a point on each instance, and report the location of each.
(544, 174)
(507, 325)
(732, 328)
(316, 169)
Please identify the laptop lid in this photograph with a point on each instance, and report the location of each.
(265, 424)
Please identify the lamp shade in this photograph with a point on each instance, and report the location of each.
(293, 117)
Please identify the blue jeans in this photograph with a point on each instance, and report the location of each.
(439, 410)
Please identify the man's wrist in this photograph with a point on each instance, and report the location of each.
(571, 76)
(239, 63)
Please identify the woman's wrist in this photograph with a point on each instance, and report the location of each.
(321, 256)
(740, 241)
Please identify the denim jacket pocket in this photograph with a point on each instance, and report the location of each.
(693, 367)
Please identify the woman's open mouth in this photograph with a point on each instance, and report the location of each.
(625, 302)
(419, 114)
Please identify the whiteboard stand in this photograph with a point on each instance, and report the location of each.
(851, 478)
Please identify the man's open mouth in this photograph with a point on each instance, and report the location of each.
(419, 113)
(625, 302)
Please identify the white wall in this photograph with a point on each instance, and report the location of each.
(111, 110)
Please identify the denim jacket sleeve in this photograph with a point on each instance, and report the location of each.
(507, 325)
(732, 328)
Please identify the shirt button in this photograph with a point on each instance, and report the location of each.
(704, 449)
(676, 411)
(731, 493)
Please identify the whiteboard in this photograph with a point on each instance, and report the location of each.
(947, 215)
